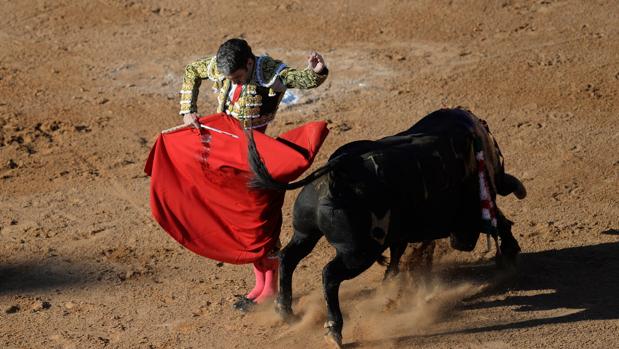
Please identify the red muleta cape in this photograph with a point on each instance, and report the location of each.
(199, 193)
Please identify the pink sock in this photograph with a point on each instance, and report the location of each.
(260, 277)
(270, 280)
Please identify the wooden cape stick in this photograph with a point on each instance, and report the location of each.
(175, 128)
(180, 127)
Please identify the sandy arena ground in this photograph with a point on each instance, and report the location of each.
(85, 87)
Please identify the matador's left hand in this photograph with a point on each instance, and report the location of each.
(315, 62)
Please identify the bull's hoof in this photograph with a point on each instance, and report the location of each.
(507, 256)
(389, 275)
(285, 313)
(243, 304)
(334, 340)
(333, 337)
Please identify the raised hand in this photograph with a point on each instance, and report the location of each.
(315, 62)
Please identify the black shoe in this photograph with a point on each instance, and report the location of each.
(243, 304)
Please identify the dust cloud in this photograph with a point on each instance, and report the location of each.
(384, 312)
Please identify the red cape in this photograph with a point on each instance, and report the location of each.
(199, 192)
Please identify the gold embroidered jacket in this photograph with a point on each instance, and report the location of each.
(259, 98)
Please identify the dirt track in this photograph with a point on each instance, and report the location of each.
(85, 86)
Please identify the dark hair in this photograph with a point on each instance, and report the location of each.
(233, 55)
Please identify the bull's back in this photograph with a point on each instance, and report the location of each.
(443, 121)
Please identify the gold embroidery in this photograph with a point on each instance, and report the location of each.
(241, 111)
(251, 89)
(250, 101)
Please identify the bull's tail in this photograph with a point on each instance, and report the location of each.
(263, 178)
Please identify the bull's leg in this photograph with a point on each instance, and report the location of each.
(342, 267)
(420, 261)
(290, 256)
(509, 248)
(396, 251)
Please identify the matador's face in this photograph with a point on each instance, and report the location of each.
(243, 75)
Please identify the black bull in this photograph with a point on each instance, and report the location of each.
(421, 184)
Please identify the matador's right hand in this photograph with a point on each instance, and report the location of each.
(191, 119)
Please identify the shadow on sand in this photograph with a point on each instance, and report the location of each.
(585, 279)
(43, 276)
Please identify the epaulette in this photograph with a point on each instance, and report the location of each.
(211, 70)
(267, 70)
